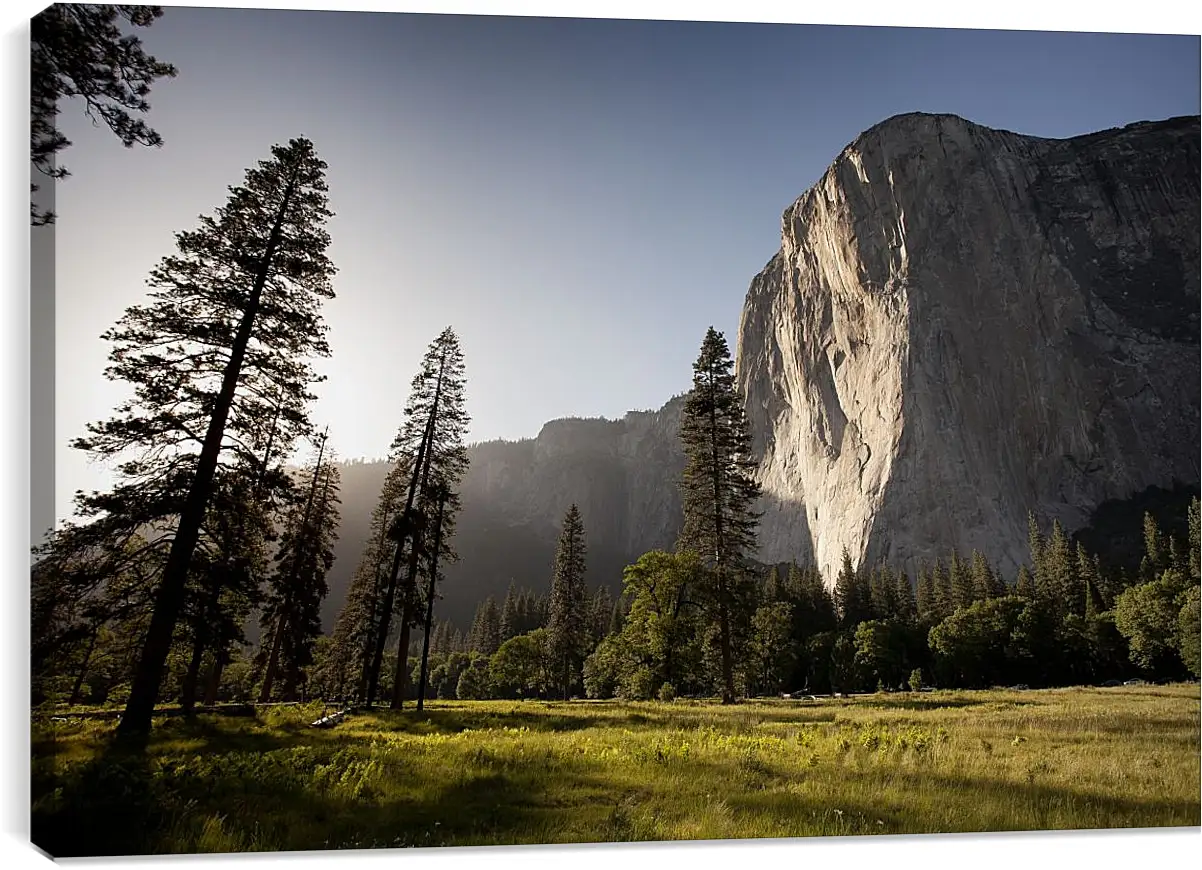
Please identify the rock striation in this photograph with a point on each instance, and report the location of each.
(964, 324)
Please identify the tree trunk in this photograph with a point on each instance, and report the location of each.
(728, 682)
(421, 685)
(144, 692)
(406, 530)
(370, 635)
(187, 695)
(77, 689)
(213, 683)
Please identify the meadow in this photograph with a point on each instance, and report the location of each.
(502, 772)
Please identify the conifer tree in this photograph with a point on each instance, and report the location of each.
(509, 614)
(1024, 584)
(945, 593)
(1194, 535)
(431, 438)
(1089, 576)
(1063, 593)
(600, 608)
(78, 50)
(986, 583)
(566, 626)
(852, 595)
(960, 580)
(292, 612)
(773, 588)
(927, 597)
(485, 635)
(354, 636)
(1156, 551)
(222, 349)
(903, 596)
(719, 495)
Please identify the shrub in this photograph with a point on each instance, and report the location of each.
(916, 680)
(667, 692)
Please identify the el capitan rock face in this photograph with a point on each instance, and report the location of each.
(964, 324)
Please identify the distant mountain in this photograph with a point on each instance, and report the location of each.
(623, 474)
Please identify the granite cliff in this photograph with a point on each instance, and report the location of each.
(963, 324)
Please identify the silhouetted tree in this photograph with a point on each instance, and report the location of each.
(78, 50)
(355, 631)
(292, 613)
(222, 349)
(431, 436)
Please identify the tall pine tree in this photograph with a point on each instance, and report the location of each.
(431, 438)
(719, 495)
(223, 347)
(567, 628)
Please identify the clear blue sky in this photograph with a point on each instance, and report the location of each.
(579, 199)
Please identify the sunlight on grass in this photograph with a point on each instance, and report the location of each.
(499, 772)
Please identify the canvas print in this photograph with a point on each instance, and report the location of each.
(489, 430)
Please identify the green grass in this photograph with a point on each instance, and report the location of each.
(493, 772)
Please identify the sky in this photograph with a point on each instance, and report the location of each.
(578, 199)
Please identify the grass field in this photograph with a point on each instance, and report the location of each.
(493, 772)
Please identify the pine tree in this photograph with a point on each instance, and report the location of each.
(1091, 583)
(600, 614)
(222, 350)
(510, 619)
(852, 595)
(1063, 591)
(1024, 584)
(355, 630)
(960, 580)
(945, 593)
(719, 494)
(903, 596)
(292, 613)
(773, 588)
(1195, 540)
(78, 50)
(566, 628)
(431, 437)
(985, 583)
(927, 597)
(1156, 551)
(485, 635)
(882, 590)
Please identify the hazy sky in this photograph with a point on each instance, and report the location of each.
(578, 199)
